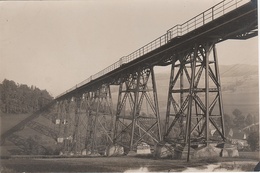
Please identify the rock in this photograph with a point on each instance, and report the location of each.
(224, 153)
(88, 153)
(233, 153)
(114, 150)
(208, 151)
(163, 150)
(95, 154)
(213, 144)
(217, 150)
(84, 152)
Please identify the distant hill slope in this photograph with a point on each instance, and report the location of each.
(238, 70)
(239, 85)
(240, 89)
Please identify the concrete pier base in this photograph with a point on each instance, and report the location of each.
(228, 150)
(131, 153)
(143, 149)
(184, 153)
(207, 152)
(178, 151)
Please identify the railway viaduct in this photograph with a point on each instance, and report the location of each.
(86, 118)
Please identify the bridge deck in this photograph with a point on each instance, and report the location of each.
(229, 19)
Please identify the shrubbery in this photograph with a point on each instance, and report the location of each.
(253, 140)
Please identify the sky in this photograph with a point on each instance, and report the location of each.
(56, 44)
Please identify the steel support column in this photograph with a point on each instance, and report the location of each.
(76, 137)
(137, 115)
(195, 98)
(100, 121)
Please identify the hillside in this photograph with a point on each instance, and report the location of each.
(239, 89)
(239, 86)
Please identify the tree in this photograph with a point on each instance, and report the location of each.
(8, 95)
(249, 119)
(253, 140)
(15, 98)
(228, 123)
(239, 120)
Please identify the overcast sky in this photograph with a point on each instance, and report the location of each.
(57, 44)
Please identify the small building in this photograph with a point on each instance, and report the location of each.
(238, 137)
(57, 121)
(65, 121)
(60, 140)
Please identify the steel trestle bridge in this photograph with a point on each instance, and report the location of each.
(85, 116)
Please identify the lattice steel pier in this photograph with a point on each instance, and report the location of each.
(195, 109)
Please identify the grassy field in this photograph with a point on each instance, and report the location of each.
(10, 120)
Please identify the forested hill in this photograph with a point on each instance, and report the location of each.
(20, 98)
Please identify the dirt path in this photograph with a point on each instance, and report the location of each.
(99, 164)
(102, 164)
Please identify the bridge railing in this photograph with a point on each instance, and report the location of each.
(146, 49)
(203, 18)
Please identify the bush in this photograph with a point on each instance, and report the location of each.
(253, 140)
